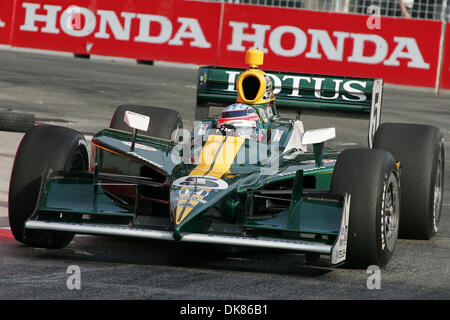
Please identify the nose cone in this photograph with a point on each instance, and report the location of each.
(205, 186)
(192, 194)
(191, 200)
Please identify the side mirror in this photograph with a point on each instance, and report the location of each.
(318, 135)
(137, 122)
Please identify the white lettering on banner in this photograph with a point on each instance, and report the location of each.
(196, 34)
(322, 37)
(413, 53)
(145, 29)
(257, 38)
(190, 29)
(31, 18)
(120, 32)
(359, 42)
(405, 47)
(2, 24)
(299, 42)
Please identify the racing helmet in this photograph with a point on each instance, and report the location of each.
(241, 120)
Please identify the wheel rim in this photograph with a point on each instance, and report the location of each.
(391, 214)
(438, 191)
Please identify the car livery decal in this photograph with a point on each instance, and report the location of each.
(139, 146)
(200, 182)
(216, 158)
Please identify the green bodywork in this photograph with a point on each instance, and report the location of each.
(290, 200)
(89, 194)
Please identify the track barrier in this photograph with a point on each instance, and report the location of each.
(411, 52)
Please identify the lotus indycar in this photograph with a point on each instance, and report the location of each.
(246, 178)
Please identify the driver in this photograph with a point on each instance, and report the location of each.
(240, 120)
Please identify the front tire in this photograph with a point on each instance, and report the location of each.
(371, 177)
(52, 147)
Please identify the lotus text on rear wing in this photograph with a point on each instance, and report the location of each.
(352, 87)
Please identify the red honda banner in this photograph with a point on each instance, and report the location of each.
(170, 30)
(402, 51)
(6, 14)
(445, 73)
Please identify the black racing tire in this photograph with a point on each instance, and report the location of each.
(163, 122)
(16, 121)
(52, 147)
(421, 152)
(371, 178)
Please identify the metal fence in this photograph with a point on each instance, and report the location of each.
(422, 9)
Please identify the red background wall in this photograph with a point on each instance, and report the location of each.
(445, 74)
(215, 22)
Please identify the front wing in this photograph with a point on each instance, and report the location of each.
(59, 210)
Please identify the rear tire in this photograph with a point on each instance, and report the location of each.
(371, 177)
(420, 150)
(52, 147)
(163, 122)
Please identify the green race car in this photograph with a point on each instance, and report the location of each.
(245, 178)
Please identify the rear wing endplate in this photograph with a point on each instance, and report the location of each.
(308, 93)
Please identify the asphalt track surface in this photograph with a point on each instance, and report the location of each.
(83, 94)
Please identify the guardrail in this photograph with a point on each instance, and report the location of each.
(402, 51)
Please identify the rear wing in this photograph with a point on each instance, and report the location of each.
(308, 93)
